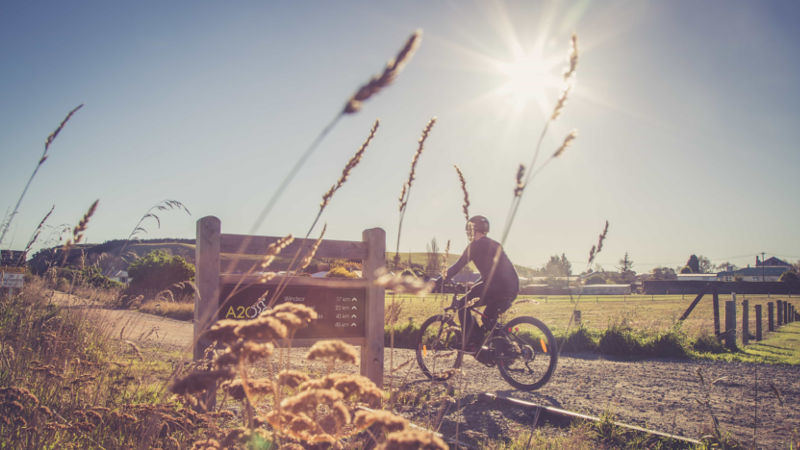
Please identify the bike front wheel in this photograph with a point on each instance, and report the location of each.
(526, 353)
(438, 347)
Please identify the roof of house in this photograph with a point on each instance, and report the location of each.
(767, 271)
(773, 261)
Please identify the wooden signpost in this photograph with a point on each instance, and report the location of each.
(349, 309)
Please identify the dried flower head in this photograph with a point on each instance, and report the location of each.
(307, 401)
(520, 186)
(597, 248)
(465, 206)
(263, 328)
(567, 141)
(403, 284)
(313, 251)
(274, 249)
(333, 350)
(223, 331)
(413, 439)
(411, 174)
(393, 68)
(385, 419)
(292, 378)
(351, 164)
(199, 381)
(253, 351)
(78, 231)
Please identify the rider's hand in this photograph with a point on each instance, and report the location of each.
(438, 284)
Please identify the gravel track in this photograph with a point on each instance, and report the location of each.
(664, 395)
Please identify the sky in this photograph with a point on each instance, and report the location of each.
(686, 114)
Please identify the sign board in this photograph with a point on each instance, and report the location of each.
(11, 280)
(11, 257)
(340, 308)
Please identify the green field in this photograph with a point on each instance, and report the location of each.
(643, 312)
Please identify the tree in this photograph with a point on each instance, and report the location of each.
(789, 277)
(157, 271)
(596, 279)
(704, 264)
(726, 266)
(558, 267)
(664, 273)
(625, 264)
(693, 264)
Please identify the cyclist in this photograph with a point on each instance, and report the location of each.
(496, 290)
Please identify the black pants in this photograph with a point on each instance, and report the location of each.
(494, 306)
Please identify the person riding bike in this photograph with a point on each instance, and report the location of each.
(496, 289)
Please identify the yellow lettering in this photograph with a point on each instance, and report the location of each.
(230, 312)
(241, 312)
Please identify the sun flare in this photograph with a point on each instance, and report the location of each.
(528, 78)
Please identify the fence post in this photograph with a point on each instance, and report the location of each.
(716, 312)
(770, 316)
(759, 333)
(206, 299)
(372, 350)
(780, 313)
(745, 322)
(730, 324)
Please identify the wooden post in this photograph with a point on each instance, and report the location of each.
(785, 312)
(372, 350)
(759, 335)
(745, 322)
(577, 317)
(770, 316)
(780, 313)
(730, 324)
(206, 299)
(716, 312)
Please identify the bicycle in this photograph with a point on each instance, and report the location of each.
(523, 349)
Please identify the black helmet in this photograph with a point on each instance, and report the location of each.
(480, 224)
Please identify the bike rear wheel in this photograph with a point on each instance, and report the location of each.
(438, 347)
(529, 353)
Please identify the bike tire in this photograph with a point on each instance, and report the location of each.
(438, 347)
(530, 361)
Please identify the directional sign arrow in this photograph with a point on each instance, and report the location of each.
(353, 325)
(355, 308)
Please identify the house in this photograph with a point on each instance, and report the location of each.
(761, 273)
(604, 289)
(122, 277)
(772, 262)
(697, 277)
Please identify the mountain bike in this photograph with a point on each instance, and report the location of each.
(523, 349)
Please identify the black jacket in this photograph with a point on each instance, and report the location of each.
(481, 252)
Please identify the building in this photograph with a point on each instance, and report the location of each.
(761, 273)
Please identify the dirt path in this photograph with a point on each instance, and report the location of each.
(658, 394)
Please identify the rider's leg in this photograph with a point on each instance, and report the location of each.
(494, 307)
(471, 329)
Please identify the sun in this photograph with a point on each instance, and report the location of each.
(527, 79)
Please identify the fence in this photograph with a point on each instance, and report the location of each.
(238, 296)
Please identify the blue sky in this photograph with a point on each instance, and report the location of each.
(687, 115)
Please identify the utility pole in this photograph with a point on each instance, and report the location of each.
(762, 266)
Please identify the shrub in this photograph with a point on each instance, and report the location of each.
(340, 272)
(708, 344)
(670, 344)
(158, 271)
(405, 336)
(620, 340)
(596, 279)
(579, 340)
(789, 277)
